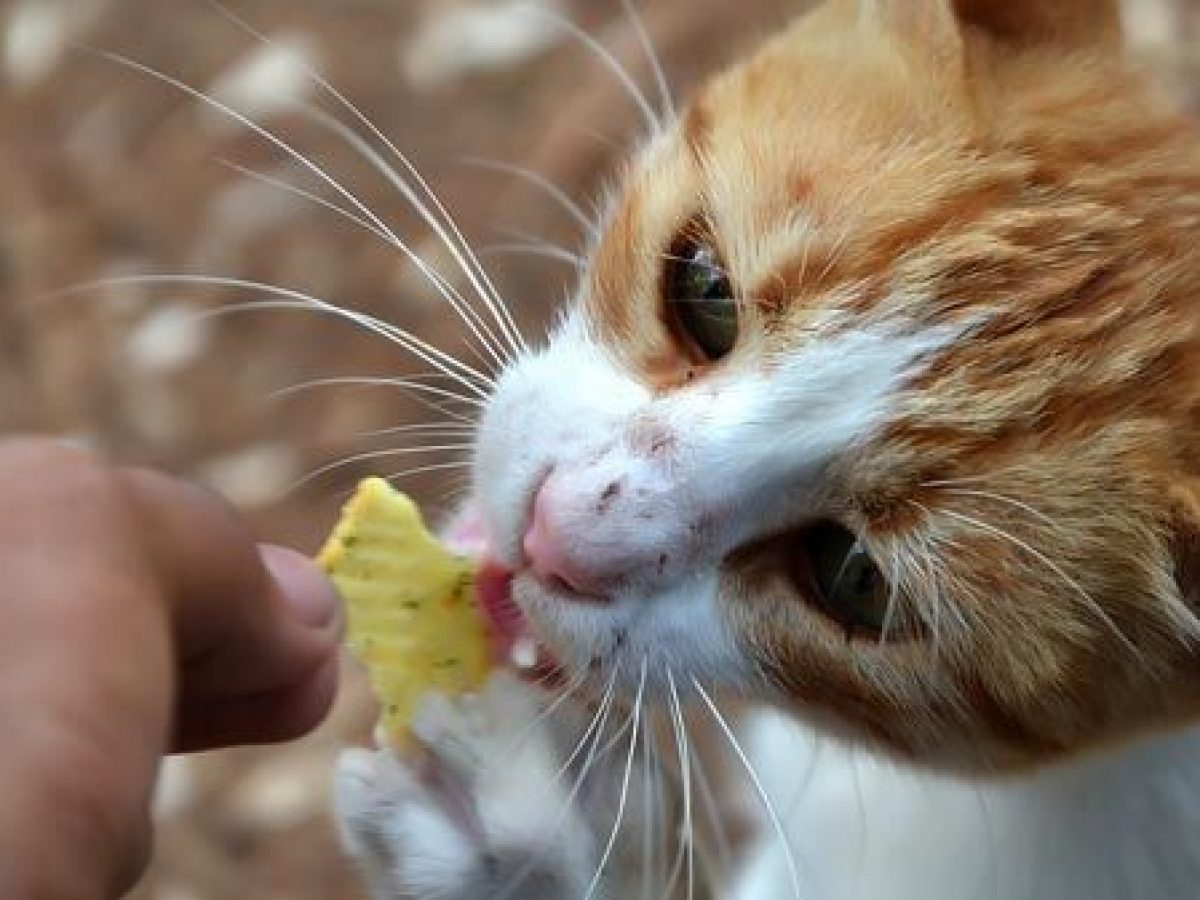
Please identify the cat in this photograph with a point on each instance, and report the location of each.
(876, 413)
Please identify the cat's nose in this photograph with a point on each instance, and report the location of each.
(551, 555)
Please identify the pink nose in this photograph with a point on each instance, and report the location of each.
(550, 556)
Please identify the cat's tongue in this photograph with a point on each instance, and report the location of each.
(513, 641)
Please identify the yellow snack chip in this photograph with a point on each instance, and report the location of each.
(411, 604)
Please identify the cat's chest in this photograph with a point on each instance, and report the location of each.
(1110, 829)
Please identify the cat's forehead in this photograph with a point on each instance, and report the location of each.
(797, 151)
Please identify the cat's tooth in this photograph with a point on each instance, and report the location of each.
(524, 653)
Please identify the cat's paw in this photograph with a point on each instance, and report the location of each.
(479, 813)
(398, 828)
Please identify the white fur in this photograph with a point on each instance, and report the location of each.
(701, 472)
(488, 785)
(1117, 827)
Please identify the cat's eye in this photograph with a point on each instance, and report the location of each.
(700, 298)
(847, 581)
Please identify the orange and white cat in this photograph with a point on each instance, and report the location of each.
(878, 407)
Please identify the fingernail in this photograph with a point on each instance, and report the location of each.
(304, 588)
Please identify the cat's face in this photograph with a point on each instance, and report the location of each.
(879, 398)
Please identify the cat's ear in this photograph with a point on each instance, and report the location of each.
(939, 25)
(927, 24)
(1063, 23)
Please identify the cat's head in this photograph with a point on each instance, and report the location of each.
(880, 397)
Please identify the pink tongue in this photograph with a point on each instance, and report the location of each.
(505, 617)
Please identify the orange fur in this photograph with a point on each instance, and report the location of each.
(996, 166)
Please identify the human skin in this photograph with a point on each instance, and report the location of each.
(138, 617)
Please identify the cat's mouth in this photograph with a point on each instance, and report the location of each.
(513, 640)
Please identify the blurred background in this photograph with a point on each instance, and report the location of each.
(108, 173)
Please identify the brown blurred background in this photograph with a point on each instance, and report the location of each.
(106, 172)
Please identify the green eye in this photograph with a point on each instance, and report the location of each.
(699, 296)
(849, 585)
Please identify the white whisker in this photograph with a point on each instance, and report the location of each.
(949, 488)
(596, 726)
(544, 715)
(449, 365)
(660, 75)
(648, 855)
(606, 703)
(475, 272)
(439, 429)
(889, 615)
(687, 839)
(624, 796)
(288, 188)
(764, 797)
(473, 269)
(423, 470)
(441, 360)
(373, 455)
(557, 194)
(555, 253)
(712, 810)
(610, 61)
(244, 120)
(443, 287)
(405, 384)
(1054, 567)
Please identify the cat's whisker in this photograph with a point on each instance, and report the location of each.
(450, 366)
(407, 385)
(560, 197)
(437, 430)
(720, 868)
(370, 455)
(615, 739)
(889, 615)
(423, 470)
(648, 855)
(609, 60)
(949, 488)
(624, 795)
(444, 429)
(435, 278)
(457, 490)
(934, 617)
(1090, 603)
(454, 420)
(932, 556)
(523, 235)
(590, 740)
(667, 111)
(447, 231)
(598, 722)
(662, 812)
(551, 708)
(439, 359)
(759, 788)
(248, 123)
(686, 848)
(287, 187)
(547, 252)
(461, 251)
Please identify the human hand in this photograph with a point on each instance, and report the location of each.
(137, 617)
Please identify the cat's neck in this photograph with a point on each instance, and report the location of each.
(1107, 828)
